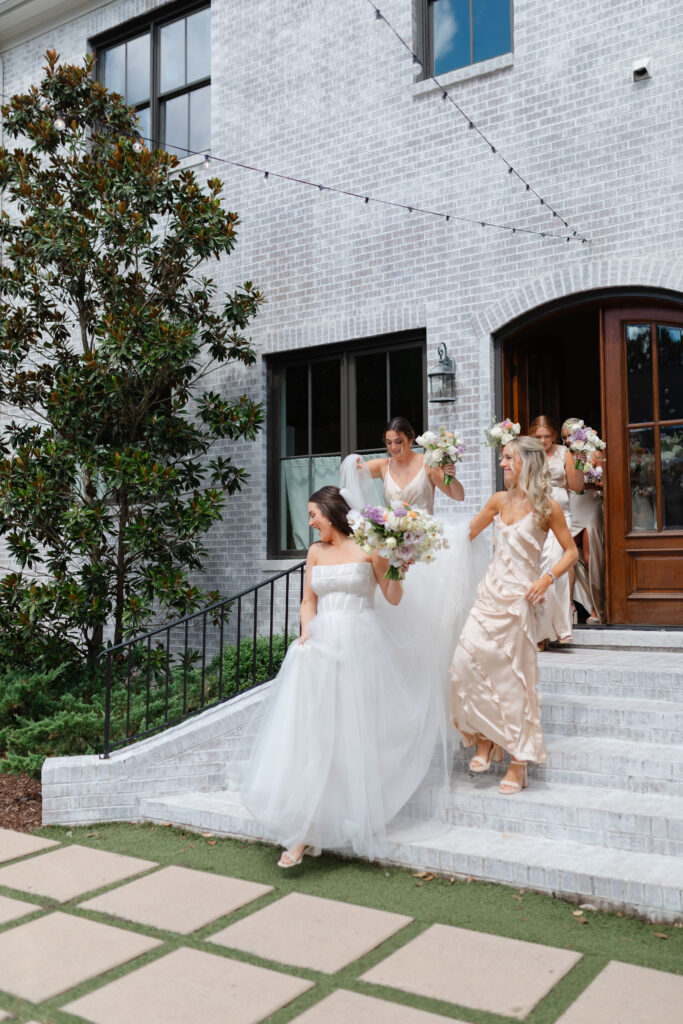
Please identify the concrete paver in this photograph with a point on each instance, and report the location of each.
(177, 899)
(71, 871)
(11, 909)
(18, 844)
(307, 931)
(188, 986)
(473, 969)
(42, 958)
(343, 1006)
(627, 994)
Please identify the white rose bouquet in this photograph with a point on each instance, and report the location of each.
(582, 443)
(500, 434)
(441, 449)
(399, 533)
(592, 475)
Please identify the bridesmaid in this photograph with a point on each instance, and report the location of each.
(588, 579)
(494, 670)
(556, 618)
(404, 474)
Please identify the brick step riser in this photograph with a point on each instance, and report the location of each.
(605, 776)
(605, 893)
(589, 827)
(593, 728)
(557, 688)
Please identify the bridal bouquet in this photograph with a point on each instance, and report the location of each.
(399, 533)
(582, 442)
(441, 449)
(500, 434)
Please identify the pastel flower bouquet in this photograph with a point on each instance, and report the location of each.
(500, 434)
(441, 449)
(592, 475)
(583, 442)
(400, 534)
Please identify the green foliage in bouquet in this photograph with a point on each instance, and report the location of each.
(60, 712)
(118, 460)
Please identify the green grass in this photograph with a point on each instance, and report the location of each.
(491, 908)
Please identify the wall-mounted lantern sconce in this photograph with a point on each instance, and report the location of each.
(442, 378)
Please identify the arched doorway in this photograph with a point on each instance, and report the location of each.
(615, 360)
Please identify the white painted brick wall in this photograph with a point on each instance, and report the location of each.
(310, 88)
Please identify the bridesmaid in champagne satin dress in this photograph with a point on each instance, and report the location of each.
(494, 672)
(555, 620)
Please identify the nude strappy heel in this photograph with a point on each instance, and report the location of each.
(509, 786)
(308, 851)
(480, 764)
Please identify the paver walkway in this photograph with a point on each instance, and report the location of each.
(108, 937)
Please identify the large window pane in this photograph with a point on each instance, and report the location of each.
(451, 34)
(114, 76)
(199, 45)
(371, 399)
(670, 344)
(642, 479)
(174, 125)
(406, 377)
(200, 119)
(145, 127)
(326, 406)
(172, 56)
(294, 429)
(671, 454)
(137, 70)
(639, 362)
(492, 35)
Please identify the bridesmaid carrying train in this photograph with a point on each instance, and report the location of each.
(494, 670)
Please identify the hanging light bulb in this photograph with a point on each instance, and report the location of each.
(265, 177)
(59, 122)
(138, 146)
(366, 202)
(444, 100)
(207, 161)
(417, 65)
(378, 18)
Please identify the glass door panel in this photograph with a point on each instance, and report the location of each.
(671, 458)
(642, 479)
(670, 353)
(639, 366)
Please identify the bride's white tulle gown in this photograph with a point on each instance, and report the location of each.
(348, 730)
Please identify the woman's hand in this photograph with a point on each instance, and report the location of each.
(305, 635)
(536, 591)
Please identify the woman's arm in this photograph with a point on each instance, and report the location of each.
(575, 480)
(392, 589)
(455, 490)
(309, 602)
(558, 524)
(377, 468)
(487, 514)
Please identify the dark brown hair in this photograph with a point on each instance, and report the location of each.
(544, 421)
(401, 425)
(331, 504)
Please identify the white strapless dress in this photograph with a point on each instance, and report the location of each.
(348, 730)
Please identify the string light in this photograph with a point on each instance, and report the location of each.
(417, 65)
(379, 17)
(59, 122)
(207, 161)
(447, 98)
(138, 146)
(443, 102)
(265, 177)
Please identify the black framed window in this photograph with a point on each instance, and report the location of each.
(457, 33)
(324, 403)
(161, 65)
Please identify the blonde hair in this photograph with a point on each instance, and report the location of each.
(534, 477)
(569, 424)
(544, 421)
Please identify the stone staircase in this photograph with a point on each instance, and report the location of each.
(601, 822)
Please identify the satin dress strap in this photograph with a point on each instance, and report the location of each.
(418, 492)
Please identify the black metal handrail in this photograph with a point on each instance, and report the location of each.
(160, 685)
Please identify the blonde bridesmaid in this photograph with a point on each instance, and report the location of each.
(494, 671)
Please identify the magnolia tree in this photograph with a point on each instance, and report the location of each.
(108, 329)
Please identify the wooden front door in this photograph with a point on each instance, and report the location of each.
(643, 424)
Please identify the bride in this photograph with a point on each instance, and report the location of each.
(347, 732)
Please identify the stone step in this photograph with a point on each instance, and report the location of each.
(637, 674)
(611, 763)
(645, 883)
(609, 718)
(639, 822)
(639, 638)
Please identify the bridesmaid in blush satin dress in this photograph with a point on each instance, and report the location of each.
(494, 670)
